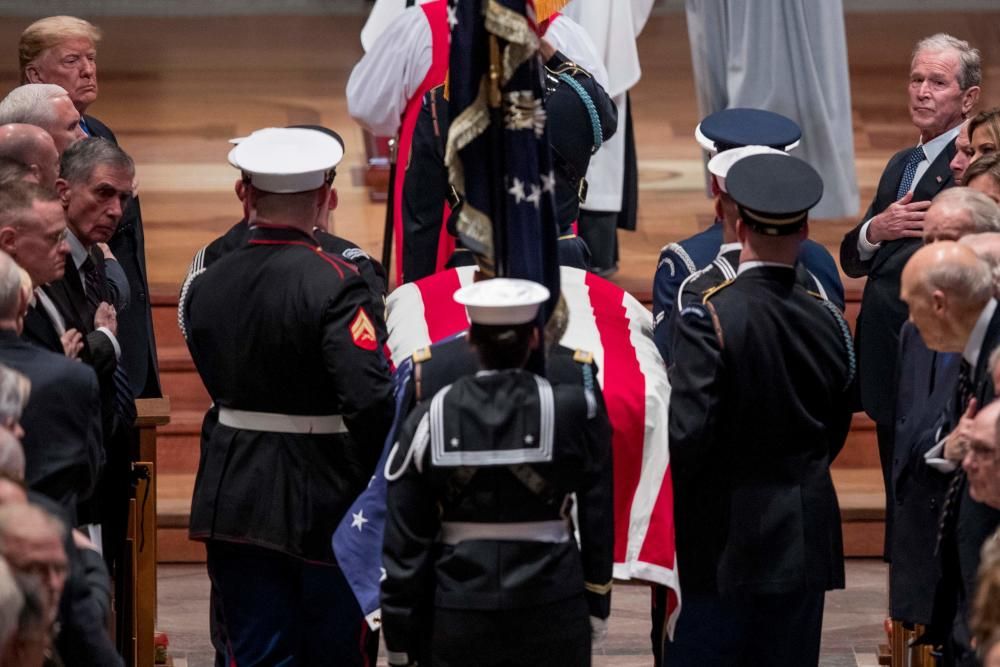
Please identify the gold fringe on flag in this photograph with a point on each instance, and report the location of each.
(544, 9)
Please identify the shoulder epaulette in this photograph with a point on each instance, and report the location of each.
(712, 291)
(583, 357)
(421, 355)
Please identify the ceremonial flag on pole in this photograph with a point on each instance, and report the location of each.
(497, 153)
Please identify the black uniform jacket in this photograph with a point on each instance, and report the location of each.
(758, 410)
(723, 268)
(280, 326)
(491, 449)
(236, 237)
(882, 313)
(439, 365)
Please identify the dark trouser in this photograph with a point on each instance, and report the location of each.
(282, 611)
(554, 635)
(747, 631)
(600, 232)
(573, 251)
(886, 435)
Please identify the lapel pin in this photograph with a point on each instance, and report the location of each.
(939, 179)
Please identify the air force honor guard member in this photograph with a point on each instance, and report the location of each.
(282, 335)
(759, 408)
(724, 266)
(720, 132)
(481, 564)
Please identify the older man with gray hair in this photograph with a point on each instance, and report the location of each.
(46, 105)
(924, 385)
(950, 295)
(33, 147)
(957, 212)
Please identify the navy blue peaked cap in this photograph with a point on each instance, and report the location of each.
(732, 128)
(774, 192)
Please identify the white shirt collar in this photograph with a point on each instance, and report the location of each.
(934, 147)
(76, 249)
(746, 266)
(726, 247)
(975, 343)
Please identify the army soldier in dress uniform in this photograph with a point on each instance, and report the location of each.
(760, 406)
(481, 564)
(282, 335)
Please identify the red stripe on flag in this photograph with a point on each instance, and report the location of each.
(444, 317)
(624, 395)
(658, 545)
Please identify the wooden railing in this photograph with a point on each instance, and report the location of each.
(139, 604)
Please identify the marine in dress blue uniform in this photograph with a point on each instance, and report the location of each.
(760, 406)
(719, 132)
(481, 565)
(282, 335)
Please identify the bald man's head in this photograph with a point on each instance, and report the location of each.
(946, 286)
(33, 147)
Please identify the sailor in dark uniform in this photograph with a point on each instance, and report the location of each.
(760, 406)
(580, 118)
(717, 133)
(724, 266)
(284, 339)
(481, 564)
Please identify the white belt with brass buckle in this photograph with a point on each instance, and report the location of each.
(272, 422)
(453, 532)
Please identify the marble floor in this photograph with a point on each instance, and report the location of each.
(852, 626)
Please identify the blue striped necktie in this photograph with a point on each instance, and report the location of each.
(915, 157)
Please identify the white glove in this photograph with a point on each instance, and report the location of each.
(598, 630)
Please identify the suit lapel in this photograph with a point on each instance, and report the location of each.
(39, 327)
(69, 298)
(937, 177)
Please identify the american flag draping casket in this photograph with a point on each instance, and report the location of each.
(604, 320)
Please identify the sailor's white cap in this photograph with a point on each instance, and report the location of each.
(502, 300)
(721, 163)
(287, 160)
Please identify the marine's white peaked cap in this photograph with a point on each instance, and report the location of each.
(287, 160)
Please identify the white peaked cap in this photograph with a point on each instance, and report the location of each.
(720, 165)
(502, 300)
(287, 160)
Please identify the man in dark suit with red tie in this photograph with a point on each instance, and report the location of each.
(63, 50)
(945, 73)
